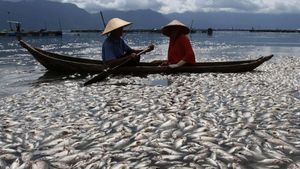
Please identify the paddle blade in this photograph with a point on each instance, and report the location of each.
(103, 75)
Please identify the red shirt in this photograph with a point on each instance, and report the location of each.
(181, 49)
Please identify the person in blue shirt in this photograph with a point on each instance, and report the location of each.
(114, 49)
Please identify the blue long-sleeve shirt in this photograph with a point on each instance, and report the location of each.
(114, 49)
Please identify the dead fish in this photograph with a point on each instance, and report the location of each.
(58, 164)
(51, 141)
(238, 166)
(40, 164)
(234, 149)
(8, 157)
(161, 143)
(179, 142)
(16, 164)
(97, 164)
(196, 136)
(144, 149)
(253, 154)
(221, 164)
(295, 165)
(165, 162)
(209, 139)
(200, 157)
(181, 124)
(26, 156)
(166, 133)
(142, 164)
(288, 149)
(277, 154)
(120, 166)
(257, 140)
(106, 125)
(210, 144)
(3, 164)
(189, 128)
(189, 157)
(270, 161)
(68, 159)
(242, 157)
(123, 143)
(8, 150)
(177, 134)
(212, 162)
(174, 157)
(25, 165)
(278, 142)
(243, 133)
(169, 124)
(196, 166)
(64, 153)
(169, 151)
(226, 156)
(49, 151)
(118, 156)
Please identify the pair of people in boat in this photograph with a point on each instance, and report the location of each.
(115, 51)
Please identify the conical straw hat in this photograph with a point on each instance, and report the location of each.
(114, 24)
(175, 24)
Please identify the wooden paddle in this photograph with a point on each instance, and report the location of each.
(108, 71)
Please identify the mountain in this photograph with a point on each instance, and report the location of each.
(44, 14)
(41, 14)
(37, 14)
(238, 20)
(141, 18)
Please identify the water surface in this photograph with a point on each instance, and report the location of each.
(19, 70)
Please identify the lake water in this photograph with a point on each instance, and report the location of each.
(19, 71)
(210, 120)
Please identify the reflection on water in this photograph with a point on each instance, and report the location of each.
(18, 68)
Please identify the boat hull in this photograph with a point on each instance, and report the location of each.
(66, 64)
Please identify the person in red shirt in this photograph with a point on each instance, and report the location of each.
(180, 50)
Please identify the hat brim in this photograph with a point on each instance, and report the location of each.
(120, 26)
(168, 29)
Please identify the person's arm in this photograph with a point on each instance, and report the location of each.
(132, 54)
(151, 46)
(135, 50)
(180, 63)
(115, 62)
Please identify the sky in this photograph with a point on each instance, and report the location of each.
(170, 6)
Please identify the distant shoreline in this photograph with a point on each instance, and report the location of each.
(193, 30)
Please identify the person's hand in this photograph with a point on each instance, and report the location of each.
(179, 64)
(164, 63)
(173, 66)
(133, 55)
(151, 47)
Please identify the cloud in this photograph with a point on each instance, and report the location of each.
(278, 6)
(97, 5)
(169, 6)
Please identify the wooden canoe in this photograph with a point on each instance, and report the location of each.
(66, 64)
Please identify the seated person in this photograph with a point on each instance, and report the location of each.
(180, 50)
(114, 49)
